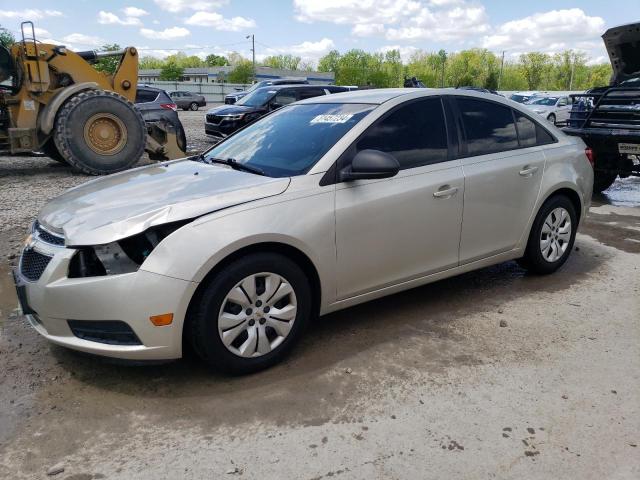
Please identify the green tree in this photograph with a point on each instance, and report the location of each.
(108, 64)
(535, 67)
(6, 38)
(598, 76)
(214, 60)
(284, 62)
(306, 66)
(147, 63)
(242, 73)
(171, 71)
(329, 63)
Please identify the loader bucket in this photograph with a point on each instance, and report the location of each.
(165, 141)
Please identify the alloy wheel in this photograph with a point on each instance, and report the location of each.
(555, 235)
(257, 315)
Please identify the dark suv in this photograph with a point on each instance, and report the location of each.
(234, 97)
(224, 120)
(156, 106)
(607, 118)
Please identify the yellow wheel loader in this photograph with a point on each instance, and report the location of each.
(53, 100)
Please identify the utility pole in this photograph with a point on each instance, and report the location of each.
(573, 68)
(501, 69)
(253, 53)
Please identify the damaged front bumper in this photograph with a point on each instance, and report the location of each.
(104, 315)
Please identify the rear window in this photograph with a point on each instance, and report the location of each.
(146, 96)
(488, 126)
(530, 133)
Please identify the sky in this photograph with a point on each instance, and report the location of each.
(311, 28)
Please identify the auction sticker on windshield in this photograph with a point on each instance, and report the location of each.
(631, 148)
(327, 118)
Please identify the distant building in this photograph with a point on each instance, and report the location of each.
(219, 74)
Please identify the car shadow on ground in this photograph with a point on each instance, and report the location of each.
(416, 329)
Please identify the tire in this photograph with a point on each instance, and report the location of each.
(214, 312)
(51, 151)
(535, 259)
(84, 117)
(194, 107)
(602, 181)
(552, 118)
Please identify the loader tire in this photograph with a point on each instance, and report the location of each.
(99, 132)
(51, 151)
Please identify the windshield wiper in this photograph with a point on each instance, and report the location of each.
(233, 163)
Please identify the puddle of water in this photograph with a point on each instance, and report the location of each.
(624, 192)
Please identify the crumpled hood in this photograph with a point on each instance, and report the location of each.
(118, 206)
(623, 46)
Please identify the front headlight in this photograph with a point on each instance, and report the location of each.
(123, 256)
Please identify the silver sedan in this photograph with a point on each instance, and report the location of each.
(321, 205)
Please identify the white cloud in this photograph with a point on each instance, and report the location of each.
(309, 51)
(134, 12)
(406, 20)
(41, 32)
(446, 24)
(217, 21)
(30, 14)
(175, 6)
(367, 29)
(108, 18)
(82, 39)
(549, 31)
(166, 34)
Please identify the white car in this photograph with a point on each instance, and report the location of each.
(318, 206)
(555, 109)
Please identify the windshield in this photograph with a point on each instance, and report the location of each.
(257, 98)
(549, 101)
(291, 140)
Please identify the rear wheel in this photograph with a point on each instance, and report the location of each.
(100, 132)
(194, 106)
(251, 314)
(552, 236)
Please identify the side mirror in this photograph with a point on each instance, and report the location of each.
(274, 106)
(370, 164)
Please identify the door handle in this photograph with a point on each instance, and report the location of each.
(445, 191)
(528, 171)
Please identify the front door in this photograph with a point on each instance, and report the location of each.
(396, 229)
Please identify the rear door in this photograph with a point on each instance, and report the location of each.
(400, 228)
(502, 177)
(563, 109)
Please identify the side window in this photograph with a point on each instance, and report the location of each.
(284, 97)
(145, 96)
(563, 102)
(310, 92)
(415, 134)
(488, 126)
(530, 133)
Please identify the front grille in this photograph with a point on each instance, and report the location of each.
(111, 332)
(615, 108)
(216, 119)
(47, 236)
(32, 264)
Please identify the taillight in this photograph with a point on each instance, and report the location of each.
(590, 156)
(170, 106)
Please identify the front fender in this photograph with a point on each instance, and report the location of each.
(48, 114)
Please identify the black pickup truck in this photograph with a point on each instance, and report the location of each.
(608, 118)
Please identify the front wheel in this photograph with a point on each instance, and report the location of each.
(552, 118)
(251, 314)
(552, 236)
(194, 107)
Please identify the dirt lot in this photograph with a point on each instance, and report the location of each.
(423, 384)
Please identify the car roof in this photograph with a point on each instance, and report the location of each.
(375, 96)
(151, 89)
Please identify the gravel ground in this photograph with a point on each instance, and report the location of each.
(423, 384)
